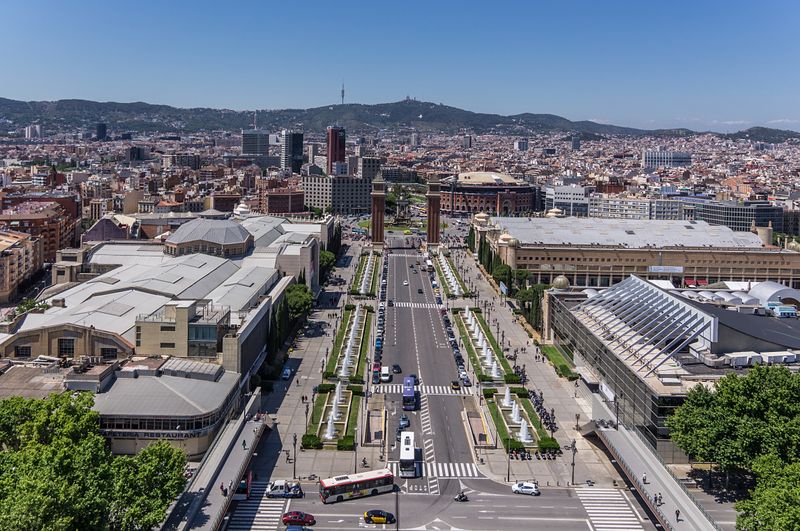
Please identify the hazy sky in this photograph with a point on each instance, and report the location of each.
(722, 65)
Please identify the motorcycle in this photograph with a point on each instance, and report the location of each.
(461, 497)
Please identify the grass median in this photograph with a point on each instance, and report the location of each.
(337, 342)
(364, 347)
(458, 277)
(442, 280)
(473, 356)
(498, 352)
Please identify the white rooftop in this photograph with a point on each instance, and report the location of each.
(628, 233)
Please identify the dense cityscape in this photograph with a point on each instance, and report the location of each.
(401, 315)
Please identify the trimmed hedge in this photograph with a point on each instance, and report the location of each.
(348, 442)
(520, 392)
(548, 443)
(350, 307)
(488, 393)
(325, 388)
(356, 389)
(512, 378)
(310, 442)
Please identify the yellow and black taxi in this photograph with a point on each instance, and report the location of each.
(455, 385)
(376, 516)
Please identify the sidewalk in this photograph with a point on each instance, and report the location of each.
(638, 460)
(559, 394)
(284, 404)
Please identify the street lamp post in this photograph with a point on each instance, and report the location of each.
(574, 451)
(508, 458)
(355, 452)
(294, 461)
(306, 415)
(397, 509)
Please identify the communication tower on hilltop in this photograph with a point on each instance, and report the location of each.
(342, 93)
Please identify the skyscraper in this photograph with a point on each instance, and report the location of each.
(101, 132)
(291, 151)
(336, 146)
(255, 142)
(576, 143)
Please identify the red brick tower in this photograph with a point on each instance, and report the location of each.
(378, 208)
(434, 206)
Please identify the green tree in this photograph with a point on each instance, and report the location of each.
(326, 262)
(502, 273)
(56, 471)
(774, 504)
(300, 300)
(471, 239)
(742, 418)
(145, 484)
(520, 277)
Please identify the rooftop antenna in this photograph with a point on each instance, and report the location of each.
(342, 93)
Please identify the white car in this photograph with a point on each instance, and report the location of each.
(405, 282)
(525, 487)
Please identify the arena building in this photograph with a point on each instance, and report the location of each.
(480, 191)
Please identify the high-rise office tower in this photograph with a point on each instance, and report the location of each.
(415, 141)
(101, 131)
(291, 151)
(466, 141)
(521, 144)
(313, 151)
(255, 142)
(336, 146)
(33, 131)
(576, 143)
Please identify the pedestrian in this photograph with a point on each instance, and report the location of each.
(659, 502)
(677, 515)
(644, 478)
(244, 444)
(222, 487)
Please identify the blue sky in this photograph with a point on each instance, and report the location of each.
(702, 64)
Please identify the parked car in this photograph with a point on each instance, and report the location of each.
(405, 422)
(286, 374)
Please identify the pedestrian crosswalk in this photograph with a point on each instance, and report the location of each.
(443, 470)
(404, 304)
(258, 512)
(423, 389)
(608, 509)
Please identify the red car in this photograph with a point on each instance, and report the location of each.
(298, 518)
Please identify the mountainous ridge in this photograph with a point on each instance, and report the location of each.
(69, 114)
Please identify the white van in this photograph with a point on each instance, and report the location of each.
(386, 374)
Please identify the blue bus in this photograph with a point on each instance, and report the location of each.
(409, 394)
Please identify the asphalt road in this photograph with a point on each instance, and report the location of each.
(416, 340)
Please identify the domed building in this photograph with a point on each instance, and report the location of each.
(561, 282)
(220, 237)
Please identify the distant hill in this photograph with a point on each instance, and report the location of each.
(68, 115)
(764, 134)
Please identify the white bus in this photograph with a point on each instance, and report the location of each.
(428, 265)
(352, 486)
(410, 466)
